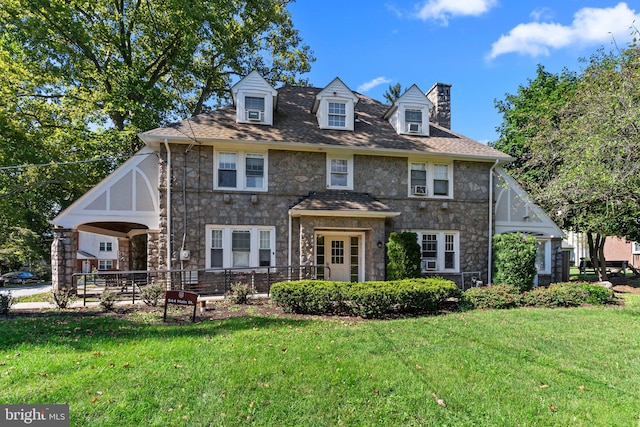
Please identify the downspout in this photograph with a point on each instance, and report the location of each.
(168, 177)
(490, 253)
(290, 240)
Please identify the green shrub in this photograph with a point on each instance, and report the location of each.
(62, 298)
(240, 292)
(108, 299)
(598, 294)
(403, 252)
(489, 297)
(152, 294)
(6, 301)
(569, 294)
(514, 257)
(366, 299)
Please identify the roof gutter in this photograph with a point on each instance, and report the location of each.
(168, 178)
(490, 250)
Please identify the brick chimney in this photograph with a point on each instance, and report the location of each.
(440, 96)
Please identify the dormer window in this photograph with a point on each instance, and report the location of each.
(334, 106)
(337, 114)
(254, 108)
(409, 114)
(254, 99)
(413, 120)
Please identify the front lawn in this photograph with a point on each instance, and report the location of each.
(527, 367)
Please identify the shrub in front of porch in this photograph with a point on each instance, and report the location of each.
(365, 299)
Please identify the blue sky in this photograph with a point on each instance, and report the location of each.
(483, 48)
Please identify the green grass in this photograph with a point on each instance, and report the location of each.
(526, 367)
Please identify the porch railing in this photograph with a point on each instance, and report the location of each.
(206, 282)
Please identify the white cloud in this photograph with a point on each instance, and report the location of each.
(442, 10)
(364, 87)
(590, 26)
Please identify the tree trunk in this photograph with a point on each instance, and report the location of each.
(596, 253)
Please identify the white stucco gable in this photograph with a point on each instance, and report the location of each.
(128, 195)
(515, 211)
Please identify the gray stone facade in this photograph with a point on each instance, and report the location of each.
(292, 176)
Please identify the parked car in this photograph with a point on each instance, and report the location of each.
(20, 277)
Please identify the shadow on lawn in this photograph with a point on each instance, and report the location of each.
(82, 331)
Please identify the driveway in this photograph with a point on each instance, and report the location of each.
(21, 291)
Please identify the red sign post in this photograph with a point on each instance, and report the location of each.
(180, 298)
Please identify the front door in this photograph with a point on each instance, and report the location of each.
(341, 253)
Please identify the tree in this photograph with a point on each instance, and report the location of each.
(582, 163)
(514, 260)
(393, 93)
(79, 80)
(403, 252)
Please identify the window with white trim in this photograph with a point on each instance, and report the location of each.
(340, 172)
(635, 247)
(105, 264)
(413, 120)
(106, 246)
(240, 246)
(430, 179)
(337, 114)
(240, 171)
(440, 251)
(254, 108)
(543, 256)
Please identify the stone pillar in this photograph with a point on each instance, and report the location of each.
(155, 256)
(64, 253)
(124, 261)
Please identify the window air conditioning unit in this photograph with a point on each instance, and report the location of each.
(429, 264)
(255, 115)
(413, 127)
(419, 190)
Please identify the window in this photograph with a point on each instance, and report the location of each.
(254, 108)
(429, 179)
(240, 246)
(440, 180)
(105, 264)
(106, 246)
(337, 114)
(635, 248)
(543, 256)
(439, 250)
(340, 173)
(413, 116)
(241, 171)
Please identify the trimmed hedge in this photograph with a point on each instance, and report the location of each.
(568, 294)
(365, 299)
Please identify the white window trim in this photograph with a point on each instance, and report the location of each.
(227, 256)
(108, 247)
(241, 109)
(104, 263)
(241, 176)
(424, 126)
(635, 248)
(441, 249)
(430, 166)
(547, 256)
(324, 113)
(349, 159)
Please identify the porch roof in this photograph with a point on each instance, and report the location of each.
(341, 203)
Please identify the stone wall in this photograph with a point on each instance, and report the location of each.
(64, 252)
(292, 176)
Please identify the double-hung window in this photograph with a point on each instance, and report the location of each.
(105, 264)
(430, 179)
(240, 246)
(337, 114)
(413, 120)
(254, 108)
(340, 172)
(106, 246)
(241, 171)
(440, 250)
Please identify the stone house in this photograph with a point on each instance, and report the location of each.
(309, 176)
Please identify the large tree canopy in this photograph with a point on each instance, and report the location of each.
(79, 80)
(577, 140)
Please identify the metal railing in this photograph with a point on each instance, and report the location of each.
(206, 282)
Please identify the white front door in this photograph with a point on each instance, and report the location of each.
(86, 266)
(337, 253)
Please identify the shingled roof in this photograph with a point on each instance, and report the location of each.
(295, 124)
(349, 203)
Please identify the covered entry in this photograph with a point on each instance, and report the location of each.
(343, 231)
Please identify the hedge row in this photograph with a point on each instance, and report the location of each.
(366, 299)
(570, 294)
